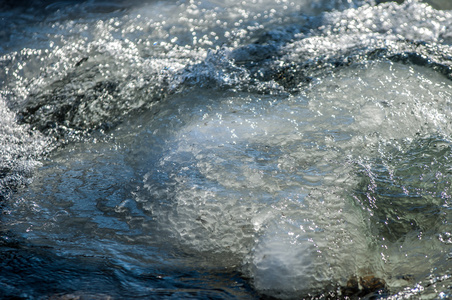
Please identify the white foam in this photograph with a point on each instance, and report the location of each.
(20, 149)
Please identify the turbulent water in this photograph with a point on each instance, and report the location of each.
(225, 149)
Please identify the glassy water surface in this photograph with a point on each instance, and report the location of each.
(183, 149)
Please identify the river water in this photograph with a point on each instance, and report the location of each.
(225, 149)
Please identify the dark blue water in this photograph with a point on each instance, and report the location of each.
(223, 150)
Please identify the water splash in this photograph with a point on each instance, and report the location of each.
(303, 145)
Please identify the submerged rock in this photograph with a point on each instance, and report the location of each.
(364, 286)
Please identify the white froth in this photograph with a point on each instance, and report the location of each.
(19, 151)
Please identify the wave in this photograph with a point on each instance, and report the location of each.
(303, 144)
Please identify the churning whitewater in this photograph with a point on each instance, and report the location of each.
(195, 149)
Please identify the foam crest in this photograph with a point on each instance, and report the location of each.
(20, 149)
(381, 26)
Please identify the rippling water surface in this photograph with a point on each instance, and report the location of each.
(224, 149)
